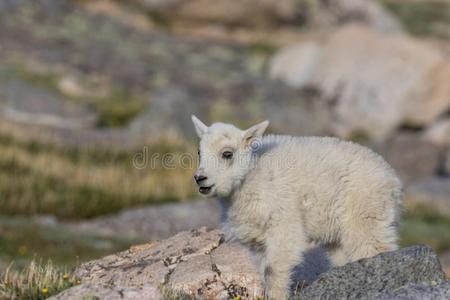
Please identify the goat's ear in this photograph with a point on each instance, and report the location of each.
(255, 132)
(200, 127)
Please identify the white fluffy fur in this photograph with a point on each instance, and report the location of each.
(282, 192)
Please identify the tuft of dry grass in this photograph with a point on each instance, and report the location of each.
(36, 281)
(169, 294)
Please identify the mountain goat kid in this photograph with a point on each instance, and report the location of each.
(282, 192)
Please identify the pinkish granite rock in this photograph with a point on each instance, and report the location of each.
(195, 262)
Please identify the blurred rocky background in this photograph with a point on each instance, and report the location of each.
(90, 87)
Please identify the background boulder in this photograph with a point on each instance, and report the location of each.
(411, 156)
(372, 83)
(439, 132)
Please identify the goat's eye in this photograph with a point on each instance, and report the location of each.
(198, 152)
(227, 155)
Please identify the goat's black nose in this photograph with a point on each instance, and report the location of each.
(199, 178)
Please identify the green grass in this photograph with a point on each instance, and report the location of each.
(262, 48)
(117, 109)
(159, 19)
(424, 18)
(422, 225)
(23, 239)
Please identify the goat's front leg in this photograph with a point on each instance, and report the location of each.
(284, 250)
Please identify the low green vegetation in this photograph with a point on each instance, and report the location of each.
(117, 109)
(23, 239)
(19, 72)
(262, 48)
(159, 19)
(422, 225)
(425, 18)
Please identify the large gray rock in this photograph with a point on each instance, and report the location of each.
(432, 192)
(357, 71)
(419, 292)
(372, 277)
